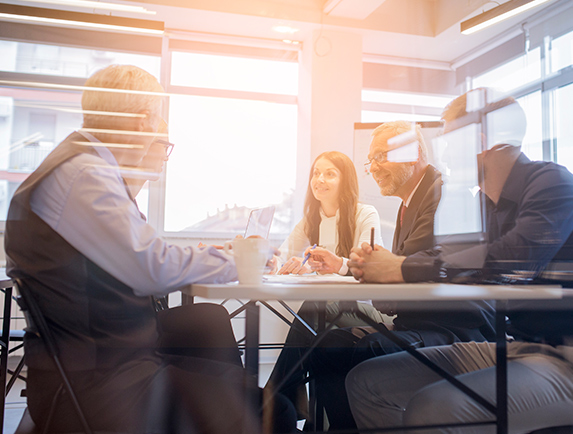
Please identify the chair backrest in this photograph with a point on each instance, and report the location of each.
(38, 325)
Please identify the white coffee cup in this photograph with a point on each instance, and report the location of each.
(251, 255)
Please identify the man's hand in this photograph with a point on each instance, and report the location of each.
(294, 266)
(375, 266)
(323, 261)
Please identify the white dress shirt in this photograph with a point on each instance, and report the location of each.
(86, 202)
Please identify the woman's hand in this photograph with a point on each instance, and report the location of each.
(294, 266)
(323, 261)
(272, 265)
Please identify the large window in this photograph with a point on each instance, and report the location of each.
(36, 115)
(545, 94)
(66, 61)
(513, 74)
(233, 118)
(564, 126)
(234, 122)
(386, 106)
(231, 155)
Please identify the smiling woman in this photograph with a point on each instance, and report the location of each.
(333, 218)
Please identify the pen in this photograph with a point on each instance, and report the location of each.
(306, 258)
(372, 238)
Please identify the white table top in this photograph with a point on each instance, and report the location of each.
(5, 281)
(348, 289)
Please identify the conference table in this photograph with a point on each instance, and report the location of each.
(346, 289)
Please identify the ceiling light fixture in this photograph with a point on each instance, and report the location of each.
(285, 29)
(80, 19)
(497, 14)
(88, 4)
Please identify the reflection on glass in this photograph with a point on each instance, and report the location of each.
(415, 99)
(564, 125)
(232, 155)
(532, 145)
(455, 153)
(562, 52)
(513, 74)
(67, 61)
(374, 116)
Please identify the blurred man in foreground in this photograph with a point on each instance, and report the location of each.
(77, 239)
(530, 223)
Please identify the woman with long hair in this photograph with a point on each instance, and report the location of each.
(335, 222)
(333, 219)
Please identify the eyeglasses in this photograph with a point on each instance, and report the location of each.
(380, 158)
(168, 146)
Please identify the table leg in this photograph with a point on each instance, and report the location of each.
(252, 339)
(4, 351)
(501, 367)
(316, 406)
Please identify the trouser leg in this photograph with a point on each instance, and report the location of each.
(397, 389)
(540, 395)
(339, 351)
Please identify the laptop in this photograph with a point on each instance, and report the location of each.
(259, 223)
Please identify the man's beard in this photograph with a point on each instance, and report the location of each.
(399, 175)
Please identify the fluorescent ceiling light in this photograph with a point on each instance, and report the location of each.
(497, 14)
(285, 29)
(98, 5)
(79, 19)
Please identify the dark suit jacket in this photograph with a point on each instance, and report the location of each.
(417, 230)
(470, 321)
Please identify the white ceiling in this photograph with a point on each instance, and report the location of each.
(401, 30)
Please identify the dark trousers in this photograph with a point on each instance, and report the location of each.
(338, 352)
(194, 384)
(294, 357)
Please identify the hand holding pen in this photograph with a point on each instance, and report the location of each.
(296, 265)
(323, 261)
(306, 258)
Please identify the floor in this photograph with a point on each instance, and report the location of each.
(15, 404)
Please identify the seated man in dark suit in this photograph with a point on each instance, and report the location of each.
(530, 223)
(76, 237)
(342, 349)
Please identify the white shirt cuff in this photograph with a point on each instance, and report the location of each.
(344, 267)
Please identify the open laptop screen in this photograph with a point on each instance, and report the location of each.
(259, 223)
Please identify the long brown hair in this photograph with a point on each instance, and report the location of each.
(347, 204)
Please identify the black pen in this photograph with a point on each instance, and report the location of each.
(372, 238)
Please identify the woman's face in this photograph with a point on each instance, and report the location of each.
(325, 181)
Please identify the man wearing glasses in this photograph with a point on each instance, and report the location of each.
(398, 163)
(76, 238)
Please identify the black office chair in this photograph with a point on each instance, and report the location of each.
(37, 324)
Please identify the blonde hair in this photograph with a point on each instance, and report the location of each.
(126, 77)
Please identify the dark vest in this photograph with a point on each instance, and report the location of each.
(97, 320)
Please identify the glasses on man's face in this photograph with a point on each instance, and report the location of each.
(168, 146)
(380, 158)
